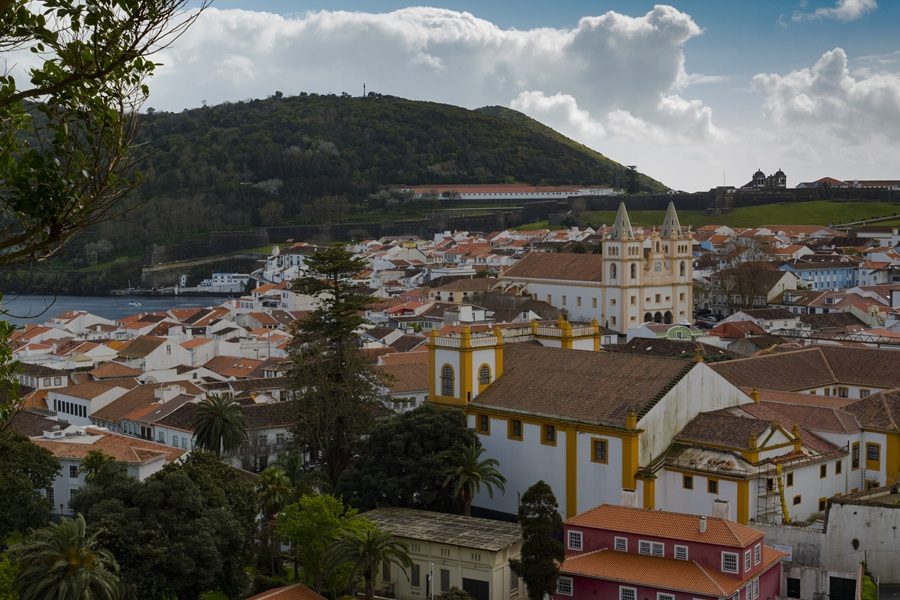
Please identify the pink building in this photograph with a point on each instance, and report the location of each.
(623, 553)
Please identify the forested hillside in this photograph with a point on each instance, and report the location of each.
(313, 159)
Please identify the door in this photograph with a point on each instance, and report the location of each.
(479, 590)
(840, 588)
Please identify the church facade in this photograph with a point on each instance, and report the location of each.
(636, 279)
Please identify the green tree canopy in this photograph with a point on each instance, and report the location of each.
(65, 562)
(336, 392)
(542, 552)
(66, 134)
(188, 529)
(405, 459)
(468, 473)
(366, 549)
(219, 424)
(92, 463)
(312, 524)
(26, 471)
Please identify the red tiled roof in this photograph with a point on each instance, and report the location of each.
(676, 526)
(298, 591)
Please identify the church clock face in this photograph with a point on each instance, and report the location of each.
(657, 266)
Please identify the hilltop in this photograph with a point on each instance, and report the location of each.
(315, 159)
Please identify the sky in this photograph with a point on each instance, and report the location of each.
(696, 93)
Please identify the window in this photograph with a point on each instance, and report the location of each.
(748, 560)
(658, 298)
(594, 302)
(51, 496)
(633, 271)
(73, 471)
(184, 443)
(873, 455)
(797, 499)
(643, 547)
(484, 375)
(633, 300)
(514, 431)
(612, 271)
(754, 588)
(175, 440)
(577, 300)
(445, 580)
(57, 381)
(513, 581)
(446, 380)
(793, 587)
(600, 451)
(651, 548)
(681, 297)
(729, 562)
(575, 539)
(823, 504)
(386, 570)
(687, 482)
(620, 544)
(823, 471)
(564, 586)
(72, 493)
(757, 554)
(854, 456)
(712, 486)
(682, 269)
(790, 479)
(161, 437)
(549, 435)
(564, 300)
(484, 424)
(864, 393)
(664, 596)
(838, 465)
(843, 392)
(627, 593)
(827, 391)
(415, 576)
(681, 552)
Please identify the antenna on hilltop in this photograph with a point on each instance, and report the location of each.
(364, 89)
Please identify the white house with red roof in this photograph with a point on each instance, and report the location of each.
(624, 553)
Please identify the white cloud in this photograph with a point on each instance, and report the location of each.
(843, 10)
(857, 108)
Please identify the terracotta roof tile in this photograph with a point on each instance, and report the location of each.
(676, 526)
(113, 370)
(664, 573)
(298, 591)
(578, 385)
(878, 411)
(119, 447)
(558, 265)
(722, 429)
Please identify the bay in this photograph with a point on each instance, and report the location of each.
(23, 310)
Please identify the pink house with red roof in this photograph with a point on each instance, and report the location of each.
(625, 553)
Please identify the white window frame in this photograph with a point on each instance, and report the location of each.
(563, 580)
(748, 560)
(575, 540)
(631, 596)
(657, 549)
(754, 588)
(757, 554)
(737, 562)
(644, 544)
(664, 596)
(620, 541)
(683, 549)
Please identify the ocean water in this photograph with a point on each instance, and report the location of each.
(21, 310)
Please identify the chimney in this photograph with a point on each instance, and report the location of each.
(629, 498)
(721, 509)
(702, 524)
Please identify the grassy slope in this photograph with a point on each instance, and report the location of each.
(821, 212)
(526, 122)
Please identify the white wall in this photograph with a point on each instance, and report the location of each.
(598, 483)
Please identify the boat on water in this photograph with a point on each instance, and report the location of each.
(134, 303)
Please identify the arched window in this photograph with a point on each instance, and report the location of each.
(683, 268)
(667, 319)
(612, 271)
(657, 246)
(484, 375)
(648, 317)
(446, 380)
(657, 317)
(633, 271)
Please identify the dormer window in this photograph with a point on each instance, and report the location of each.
(729, 562)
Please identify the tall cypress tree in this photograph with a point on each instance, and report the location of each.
(336, 392)
(542, 550)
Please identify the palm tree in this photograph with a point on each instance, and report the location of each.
(273, 492)
(469, 473)
(366, 548)
(92, 463)
(219, 424)
(63, 562)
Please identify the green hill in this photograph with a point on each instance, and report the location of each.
(313, 159)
